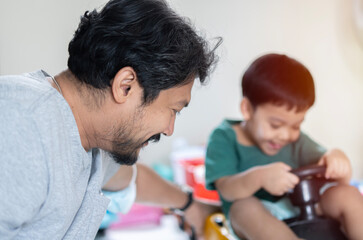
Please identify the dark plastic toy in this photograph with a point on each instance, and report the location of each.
(305, 195)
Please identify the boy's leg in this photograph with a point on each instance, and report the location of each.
(249, 219)
(345, 204)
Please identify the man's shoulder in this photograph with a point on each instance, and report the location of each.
(35, 118)
(31, 95)
(26, 92)
(34, 79)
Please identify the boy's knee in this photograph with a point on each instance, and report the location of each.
(341, 192)
(242, 214)
(244, 207)
(339, 197)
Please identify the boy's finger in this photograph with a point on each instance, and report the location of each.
(286, 167)
(294, 179)
(328, 172)
(321, 161)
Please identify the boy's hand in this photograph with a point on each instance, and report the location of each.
(277, 178)
(337, 165)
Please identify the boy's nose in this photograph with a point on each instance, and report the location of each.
(285, 135)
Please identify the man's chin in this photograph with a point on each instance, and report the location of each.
(124, 159)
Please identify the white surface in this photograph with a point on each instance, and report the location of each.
(168, 230)
(182, 151)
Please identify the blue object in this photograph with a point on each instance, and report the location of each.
(109, 218)
(164, 171)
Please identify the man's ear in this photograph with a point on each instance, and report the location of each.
(123, 84)
(246, 109)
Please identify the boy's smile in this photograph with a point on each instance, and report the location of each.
(270, 126)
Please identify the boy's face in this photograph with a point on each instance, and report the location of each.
(271, 127)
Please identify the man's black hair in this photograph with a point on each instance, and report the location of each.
(147, 35)
(278, 79)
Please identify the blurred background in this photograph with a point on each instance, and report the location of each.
(325, 35)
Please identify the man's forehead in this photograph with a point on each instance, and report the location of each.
(180, 95)
(179, 100)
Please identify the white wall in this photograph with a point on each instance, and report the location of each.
(35, 34)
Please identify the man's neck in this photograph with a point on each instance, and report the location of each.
(71, 89)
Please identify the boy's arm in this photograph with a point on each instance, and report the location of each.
(338, 165)
(275, 178)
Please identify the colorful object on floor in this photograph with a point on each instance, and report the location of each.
(182, 151)
(139, 215)
(120, 202)
(195, 177)
(206, 196)
(108, 219)
(216, 228)
(191, 167)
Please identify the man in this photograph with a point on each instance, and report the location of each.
(131, 68)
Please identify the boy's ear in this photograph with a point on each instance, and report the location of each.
(246, 109)
(123, 84)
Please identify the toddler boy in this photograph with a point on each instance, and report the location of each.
(249, 161)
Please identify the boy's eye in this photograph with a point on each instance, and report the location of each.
(275, 126)
(296, 127)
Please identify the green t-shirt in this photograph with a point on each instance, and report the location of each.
(225, 157)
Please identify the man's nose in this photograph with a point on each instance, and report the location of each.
(170, 128)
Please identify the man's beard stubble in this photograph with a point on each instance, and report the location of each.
(127, 152)
(125, 149)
